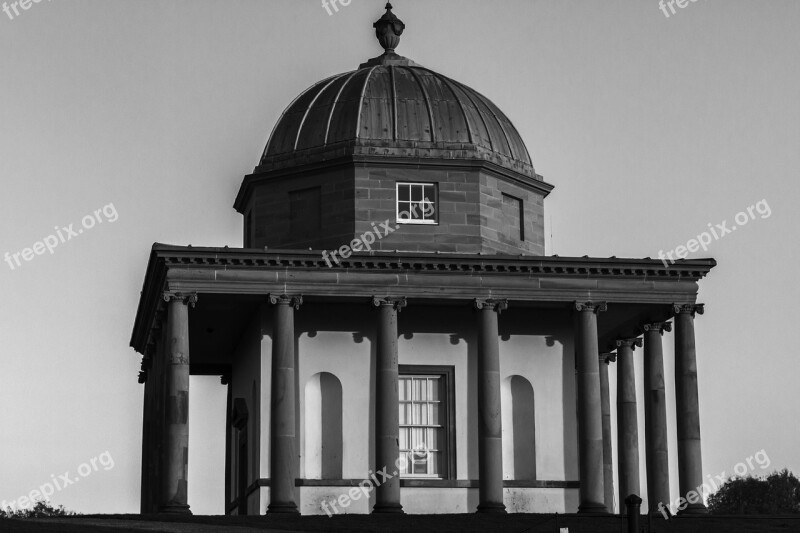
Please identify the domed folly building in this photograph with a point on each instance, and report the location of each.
(395, 188)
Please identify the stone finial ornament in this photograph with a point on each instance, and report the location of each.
(388, 30)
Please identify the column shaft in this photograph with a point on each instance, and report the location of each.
(147, 446)
(283, 450)
(151, 428)
(690, 464)
(605, 409)
(590, 424)
(655, 417)
(490, 430)
(228, 442)
(627, 420)
(175, 457)
(160, 418)
(387, 406)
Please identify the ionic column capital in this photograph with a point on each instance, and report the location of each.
(659, 327)
(185, 299)
(397, 303)
(491, 304)
(631, 343)
(692, 309)
(285, 299)
(594, 307)
(608, 358)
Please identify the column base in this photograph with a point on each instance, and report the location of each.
(592, 508)
(494, 508)
(694, 509)
(388, 508)
(174, 508)
(285, 508)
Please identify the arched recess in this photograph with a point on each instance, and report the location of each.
(323, 427)
(519, 429)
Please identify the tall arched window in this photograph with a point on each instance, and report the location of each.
(323, 427)
(519, 429)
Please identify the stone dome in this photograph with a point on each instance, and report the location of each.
(393, 107)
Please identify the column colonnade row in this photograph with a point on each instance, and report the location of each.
(594, 415)
(690, 470)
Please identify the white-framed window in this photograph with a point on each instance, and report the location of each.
(416, 203)
(422, 426)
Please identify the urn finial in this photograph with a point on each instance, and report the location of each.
(388, 29)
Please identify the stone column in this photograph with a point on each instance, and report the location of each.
(225, 380)
(608, 453)
(175, 458)
(387, 405)
(158, 411)
(655, 419)
(147, 434)
(490, 430)
(150, 436)
(690, 464)
(590, 423)
(283, 450)
(627, 420)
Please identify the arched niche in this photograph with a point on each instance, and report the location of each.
(323, 427)
(519, 429)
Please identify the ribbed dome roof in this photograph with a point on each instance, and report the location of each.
(391, 106)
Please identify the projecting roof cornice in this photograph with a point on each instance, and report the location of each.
(185, 256)
(529, 279)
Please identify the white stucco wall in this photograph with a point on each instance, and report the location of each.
(438, 501)
(547, 362)
(340, 340)
(314, 500)
(534, 500)
(329, 342)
